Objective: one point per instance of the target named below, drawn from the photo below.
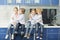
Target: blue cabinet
(52, 30)
(2, 33)
(48, 34)
(52, 34)
(59, 34)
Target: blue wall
(23, 2)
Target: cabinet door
(52, 39)
(52, 30)
(52, 34)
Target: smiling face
(20, 11)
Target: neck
(16, 13)
(39, 13)
(33, 14)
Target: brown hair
(22, 9)
(32, 9)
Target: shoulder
(23, 14)
(40, 15)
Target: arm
(30, 17)
(12, 20)
(40, 20)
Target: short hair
(32, 9)
(16, 8)
(23, 10)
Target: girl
(39, 22)
(30, 22)
(13, 21)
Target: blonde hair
(39, 9)
(16, 8)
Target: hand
(14, 23)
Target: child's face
(20, 11)
(15, 11)
(33, 12)
(39, 11)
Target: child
(21, 19)
(14, 16)
(39, 21)
(13, 21)
(31, 22)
